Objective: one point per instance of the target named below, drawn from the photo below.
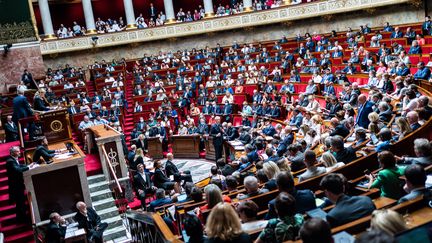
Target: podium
(58, 186)
(155, 147)
(209, 147)
(185, 146)
(110, 149)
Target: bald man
(90, 221)
(364, 108)
(172, 170)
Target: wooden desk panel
(155, 148)
(186, 146)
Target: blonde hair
(284, 165)
(213, 195)
(317, 119)
(223, 223)
(328, 159)
(403, 125)
(373, 117)
(271, 170)
(139, 153)
(388, 220)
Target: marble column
(169, 12)
(130, 15)
(88, 15)
(208, 8)
(247, 5)
(46, 19)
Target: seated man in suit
(342, 154)
(423, 152)
(56, 229)
(338, 128)
(11, 130)
(161, 180)
(43, 152)
(172, 170)
(251, 187)
(305, 199)
(161, 200)
(143, 184)
(415, 183)
(347, 208)
(88, 219)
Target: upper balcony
(264, 17)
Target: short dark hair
(333, 183)
(231, 181)
(285, 205)
(193, 226)
(316, 230)
(220, 162)
(285, 181)
(387, 159)
(249, 208)
(160, 193)
(188, 187)
(375, 236)
(415, 174)
(310, 156)
(217, 182)
(196, 194)
(214, 170)
(261, 176)
(337, 142)
(385, 134)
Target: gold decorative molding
(283, 14)
(17, 32)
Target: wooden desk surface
(101, 131)
(383, 202)
(418, 217)
(62, 145)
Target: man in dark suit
(73, 109)
(216, 132)
(88, 219)
(141, 142)
(338, 128)
(342, 154)
(232, 132)
(56, 229)
(244, 137)
(43, 151)
(131, 154)
(365, 107)
(11, 130)
(14, 172)
(305, 199)
(161, 179)
(152, 12)
(347, 208)
(141, 125)
(143, 184)
(172, 170)
(21, 107)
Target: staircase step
(14, 229)
(113, 222)
(104, 203)
(3, 181)
(114, 233)
(26, 236)
(96, 178)
(7, 210)
(108, 212)
(100, 195)
(98, 186)
(123, 239)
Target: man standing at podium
(21, 107)
(216, 132)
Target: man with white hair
(413, 119)
(423, 152)
(88, 219)
(172, 170)
(251, 186)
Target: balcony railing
(271, 16)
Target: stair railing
(149, 227)
(112, 170)
(33, 220)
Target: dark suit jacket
(140, 184)
(89, 225)
(55, 233)
(348, 209)
(39, 104)
(21, 108)
(15, 178)
(347, 155)
(140, 145)
(362, 116)
(305, 201)
(11, 132)
(171, 169)
(42, 151)
(386, 116)
(340, 130)
(159, 178)
(214, 130)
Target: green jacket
(389, 183)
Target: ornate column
(247, 5)
(130, 15)
(169, 12)
(208, 8)
(88, 15)
(46, 19)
